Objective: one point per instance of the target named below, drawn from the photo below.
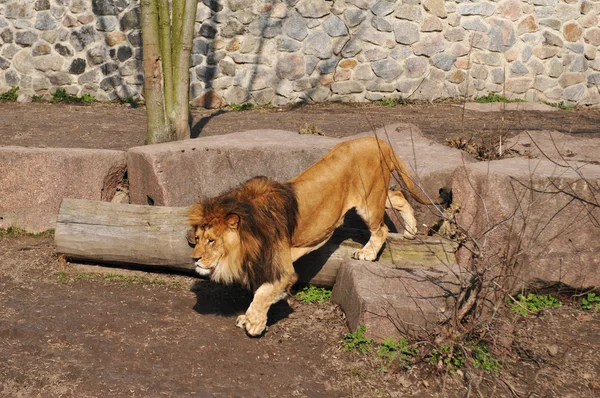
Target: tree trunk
(167, 40)
(158, 127)
(183, 36)
(155, 237)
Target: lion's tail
(416, 192)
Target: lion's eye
(210, 241)
(196, 239)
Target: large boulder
(34, 181)
(394, 301)
(535, 222)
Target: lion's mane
(268, 213)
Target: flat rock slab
(554, 145)
(508, 106)
(181, 173)
(33, 182)
(537, 223)
(396, 301)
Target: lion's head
(238, 235)
(216, 242)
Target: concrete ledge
(395, 302)
(557, 146)
(33, 182)
(180, 173)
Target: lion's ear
(233, 221)
(191, 236)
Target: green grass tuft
(391, 101)
(61, 96)
(10, 95)
(561, 105)
(448, 358)
(398, 352)
(533, 303)
(313, 294)
(132, 101)
(16, 232)
(241, 107)
(591, 302)
(493, 97)
(357, 341)
(483, 359)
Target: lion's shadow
(231, 301)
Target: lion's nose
(196, 259)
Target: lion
(252, 234)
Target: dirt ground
(113, 126)
(85, 331)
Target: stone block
(396, 301)
(215, 164)
(35, 180)
(524, 214)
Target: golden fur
(253, 233)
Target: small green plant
(310, 128)
(10, 95)
(61, 95)
(590, 302)
(493, 97)
(357, 341)
(16, 232)
(63, 278)
(449, 358)
(241, 107)
(398, 352)
(37, 98)
(132, 101)
(534, 303)
(482, 359)
(313, 294)
(391, 101)
(561, 105)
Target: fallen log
(155, 237)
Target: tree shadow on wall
(210, 71)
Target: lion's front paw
(364, 254)
(240, 321)
(254, 324)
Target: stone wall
(282, 52)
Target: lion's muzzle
(205, 272)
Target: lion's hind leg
(373, 217)
(397, 201)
